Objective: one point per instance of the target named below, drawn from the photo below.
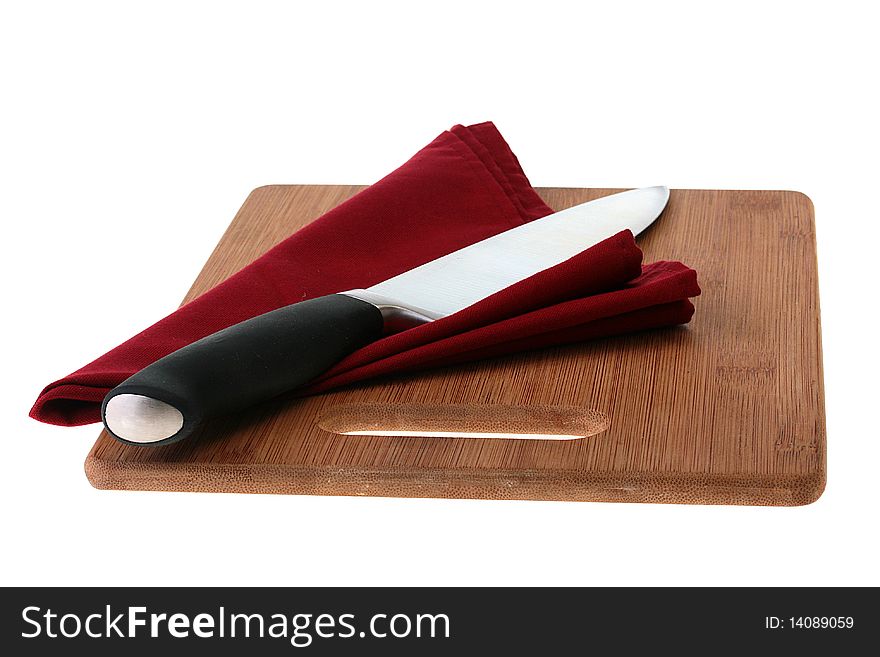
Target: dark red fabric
(464, 186)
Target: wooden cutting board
(728, 410)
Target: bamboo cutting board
(728, 410)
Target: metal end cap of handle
(141, 419)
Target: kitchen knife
(270, 354)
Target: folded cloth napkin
(463, 187)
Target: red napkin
(463, 187)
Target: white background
(131, 133)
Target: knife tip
(662, 192)
(663, 189)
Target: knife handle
(235, 368)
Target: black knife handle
(240, 366)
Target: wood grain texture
(728, 410)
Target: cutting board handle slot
(464, 421)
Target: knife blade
(281, 350)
